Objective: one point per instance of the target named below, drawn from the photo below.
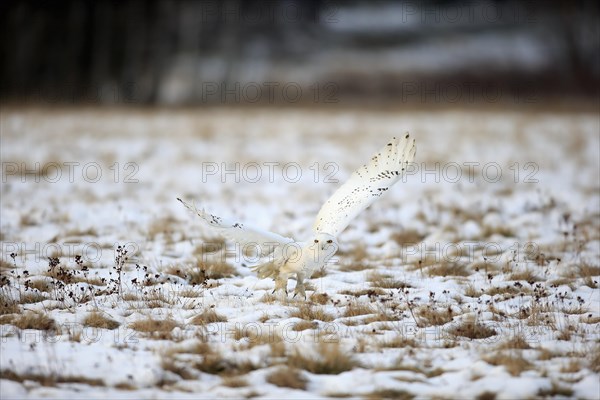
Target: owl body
(301, 259)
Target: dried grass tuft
(472, 329)
(35, 320)
(355, 309)
(155, 328)
(329, 359)
(208, 316)
(448, 269)
(309, 312)
(514, 362)
(235, 381)
(98, 320)
(429, 315)
(382, 281)
(516, 342)
(287, 377)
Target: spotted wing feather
(241, 233)
(366, 185)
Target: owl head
(325, 241)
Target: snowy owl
(287, 256)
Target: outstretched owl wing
(242, 234)
(366, 185)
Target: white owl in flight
(287, 256)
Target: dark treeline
(81, 46)
(166, 50)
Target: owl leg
(300, 289)
(281, 283)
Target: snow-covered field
(477, 277)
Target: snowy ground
(459, 284)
